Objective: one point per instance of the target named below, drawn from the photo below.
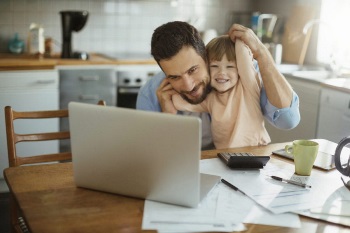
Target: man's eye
(193, 69)
(213, 66)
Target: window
(334, 33)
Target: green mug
(304, 153)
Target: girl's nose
(222, 72)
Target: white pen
(290, 182)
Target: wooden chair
(17, 222)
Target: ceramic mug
(304, 153)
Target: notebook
(141, 154)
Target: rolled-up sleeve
(147, 98)
(282, 118)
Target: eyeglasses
(347, 185)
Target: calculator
(243, 160)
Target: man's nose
(187, 83)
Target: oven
(129, 84)
(139, 67)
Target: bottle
(254, 21)
(36, 40)
(16, 45)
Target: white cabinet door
(334, 117)
(308, 93)
(28, 91)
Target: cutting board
(294, 42)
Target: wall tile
(113, 25)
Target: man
(180, 53)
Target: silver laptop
(147, 155)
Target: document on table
(336, 208)
(274, 195)
(222, 210)
(172, 218)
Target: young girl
(234, 102)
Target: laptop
(325, 155)
(141, 154)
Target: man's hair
(220, 46)
(168, 39)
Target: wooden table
(51, 202)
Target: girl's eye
(212, 66)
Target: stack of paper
(267, 201)
(222, 210)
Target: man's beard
(206, 91)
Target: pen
(232, 186)
(290, 182)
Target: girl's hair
(220, 46)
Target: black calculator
(243, 160)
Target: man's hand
(249, 38)
(164, 93)
(278, 90)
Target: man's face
(188, 74)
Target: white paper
(336, 208)
(222, 210)
(235, 206)
(274, 195)
(172, 218)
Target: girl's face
(224, 74)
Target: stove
(131, 79)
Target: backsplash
(113, 26)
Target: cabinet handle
(89, 97)
(89, 78)
(45, 81)
(134, 90)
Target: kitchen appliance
(131, 78)
(129, 84)
(71, 21)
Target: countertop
(340, 84)
(317, 75)
(31, 62)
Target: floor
(4, 212)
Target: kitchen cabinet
(29, 90)
(334, 119)
(87, 84)
(309, 93)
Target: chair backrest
(13, 138)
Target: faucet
(333, 65)
(270, 27)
